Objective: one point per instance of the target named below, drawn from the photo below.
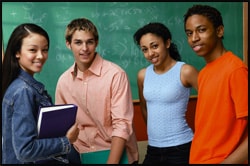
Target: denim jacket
(20, 106)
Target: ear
(96, 43)
(68, 45)
(18, 55)
(168, 42)
(220, 31)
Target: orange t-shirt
(221, 111)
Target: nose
(84, 46)
(195, 37)
(150, 52)
(40, 55)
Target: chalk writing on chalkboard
(116, 23)
(37, 17)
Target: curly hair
(160, 30)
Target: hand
(72, 133)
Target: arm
(59, 97)
(27, 147)
(72, 133)
(239, 87)
(240, 154)
(189, 76)
(117, 147)
(122, 114)
(140, 80)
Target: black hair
(162, 31)
(10, 66)
(208, 11)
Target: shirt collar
(94, 68)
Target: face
(154, 49)
(202, 36)
(33, 53)
(83, 46)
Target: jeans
(74, 156)
(169, 155)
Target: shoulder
(188, 70)
(19, 85)
(189, 75)
(19, 88)
(112, 68)
(67, 73)
(236, 61)
(141, 74)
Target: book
(101, 157)
(54, 121)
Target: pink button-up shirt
(105, 106)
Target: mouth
(84, 55)
(153, 60)
(196, 47)
(39, 64)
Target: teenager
(221, 117)
(164, 90)
(101, 90)
(22, 95)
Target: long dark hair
(10, 66)
(162, 31)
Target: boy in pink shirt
(102, 92)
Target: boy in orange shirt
(221, 118)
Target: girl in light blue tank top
(167, 101)
(164, 89)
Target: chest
(166, 87)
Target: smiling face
(33, 53)
(203, 37)
(154, 48)
(83, 45)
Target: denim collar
(30, 80)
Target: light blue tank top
(167, 101)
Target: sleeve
(239, 91)
(59, 97)
(26, 145)
(122, 110)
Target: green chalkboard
(116, 23)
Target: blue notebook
(54, 121)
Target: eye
(188, 33)
(78, 43)
(155, 46)
(45, 50)
(200, 30)
(90, 42)
(144, 50)
(32, 50)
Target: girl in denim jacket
(22, 95)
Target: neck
(216, 54)
(165, 67)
